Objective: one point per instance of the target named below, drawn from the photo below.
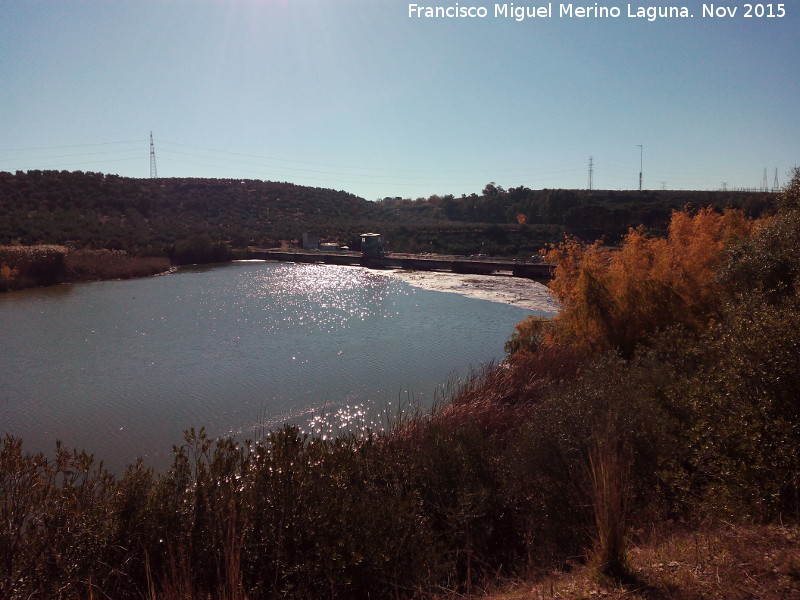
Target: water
(122, 368)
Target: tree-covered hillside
(107, 211)
(589, 214)
(154, 216)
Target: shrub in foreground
(288, 516)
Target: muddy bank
(517, 291)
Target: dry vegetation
(613, 299)
(682, 403)
(721, 563)
(31, 266)
(94, 265)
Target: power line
(86, 162)
(412, 173)
(262, 172)
(139, 141)
(95, 153)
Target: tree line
(156, 216)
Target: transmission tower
(764, 185)
(153, 172)
(591, 172)
(775, 185)
(641, 154)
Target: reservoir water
(122, 368)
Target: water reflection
(315, 297)
(123, 368)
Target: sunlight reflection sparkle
(344, 294)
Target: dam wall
(461, 265)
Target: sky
(357, 95)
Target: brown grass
(498, 398)
(609, 470)
(725, 563)
(32, 266)
(29, 266)
(94, 265)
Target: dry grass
(609, 474)
(93, 265)
(727, 563)
(498, 398)
(31, 266)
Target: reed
(93, 265)
(609, 467)
(29, 266)
(33, 266)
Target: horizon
(364, 98)
(770, 190)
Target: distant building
(310, 241)
(372, 245)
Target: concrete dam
(456, 264)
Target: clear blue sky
(357, 96)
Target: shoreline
(43, 265)
(515, 291)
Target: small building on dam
(372, 245)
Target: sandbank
(517, 291)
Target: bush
(740, 419)
(28, 266)
(767, 263)
(200, 249)
(530, 463)
(55, 523)
(528, 335)
(608, 405)
(737, 390)
(614, 299)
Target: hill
(149, 215)
(152, 216)
(588, 214)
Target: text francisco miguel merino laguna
(565, 10)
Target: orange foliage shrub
(8, 275)
(614, 298)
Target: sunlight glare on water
(122, 368)
(318, 297)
